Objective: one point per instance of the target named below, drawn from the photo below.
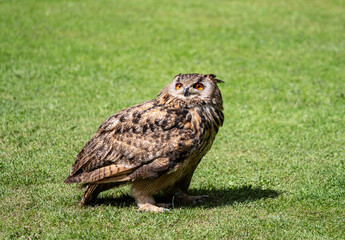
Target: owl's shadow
(217, 197)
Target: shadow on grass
(217, 197)
(229, 196)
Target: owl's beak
(185, 92)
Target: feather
(154, 144)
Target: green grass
(276, 169)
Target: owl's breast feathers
(146, 141)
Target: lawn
(276, 169)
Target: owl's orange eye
(199, 86)
(178, 86)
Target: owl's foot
(146, 202)
(188, 199)
(148, 207)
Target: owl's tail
(73, 179)
(106, 174)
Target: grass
(276, 169)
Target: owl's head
(195, 89)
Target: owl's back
(135, 137)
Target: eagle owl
(155, 146)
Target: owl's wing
(142, 141)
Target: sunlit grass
(276, 169)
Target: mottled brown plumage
(155, 145)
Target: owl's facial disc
(190, 88)
(198, 86)
(193, 88)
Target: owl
(154, 146)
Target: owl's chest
(204, 138)
(183, 168)
(204, 145)
(205, 124)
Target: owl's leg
(145, 201)
(181, 187)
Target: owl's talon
(203, 197)
(191, 199)
(164, 205)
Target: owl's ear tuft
(219, 81)
(213, 78)
(177, 78)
